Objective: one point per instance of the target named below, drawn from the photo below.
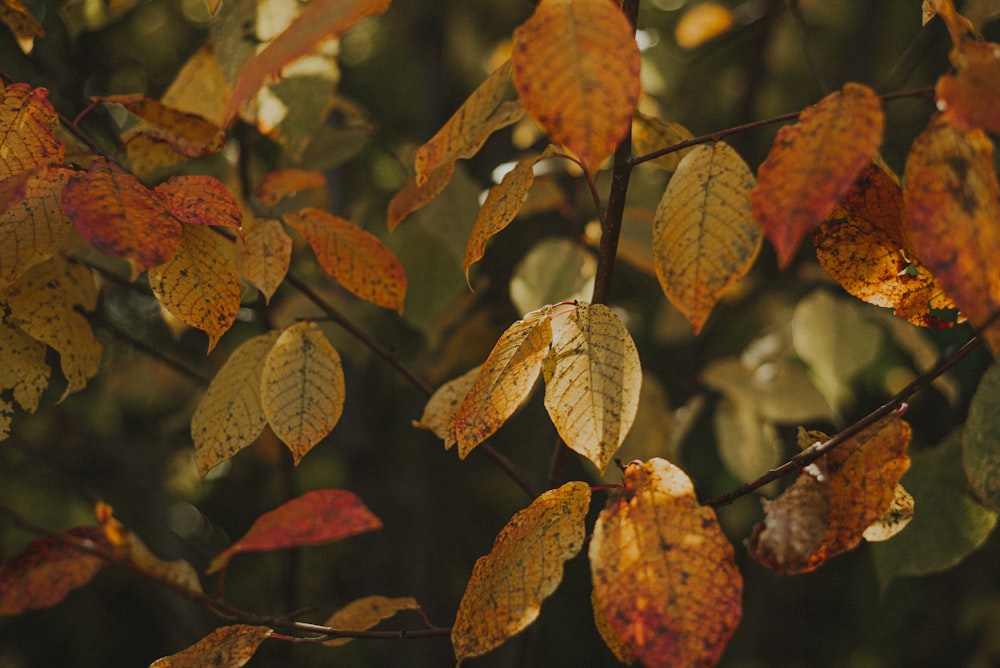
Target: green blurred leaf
(981, 454)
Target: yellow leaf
(29, 139)
(592, 382)
(226, 647)
(651, 134)
(702, 23)
(705, 237)
(899, 514)
(22, 23)
(263, 254)
(439, 413)
(576, 70)
(356, 259)
(412, 197)
(230, 416)
(504, 381)
(188, 134)
(22, 366)
(32, 230)
(200, 87)
(364, 613)
(302, 387)
(507, 586)
(199, 284)
(665, 577)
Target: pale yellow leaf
(364, 613)
(439, 413)
(32, 230)
(263, 254)
(226, 647)
(900, 512)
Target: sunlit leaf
(439, 413)
(364, 613)
(226, 647)
(320, 516)
(200, 200)
(507, 586)
(901, 511)
(412, 197)
(32, 229)
(705, 237)
(981, 454)
(701, 23)
(277, 185)
(264, 254)
(951, 210)
(651, 134)
(813, 163)
(302, 387)
(504, 381)
(230, 416)
(576, 70)
(22, 23)
(356, 259)
(592, 382)
(664, 574)
(200, 87)
(22, 366)
(28, 120)
(188, 134)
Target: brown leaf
(200, 200)
(576, 70)
(320, 516)
(29, 121)
(226, 647)
(32, 229)
(188, 134)
(22, 23)
(439, 413)
(664, 574)
(507, 586)
(364, 613)
(277, 185)
(813, 163)
(264, 254)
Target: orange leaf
(592, 382)
(22, 23)
(356, 259)
(200, 200)
(277, 185)
(412, 197)
(12, 189)
(439, 413)
(263, 254)
(971, 98)
(229, 646)
(120, 216)
(320, 516)
(28, 120)
(199, 284)
(704, 236)
(48, 569)
(863, 246)
(319, 20)
(188, 134)
(32, 229)
(507, 586)
(702, 23)
(364, 613)
(862, 477)
(952, 213)
(302, 387)
(664, 574)
(576, 70)
(504, 381)
(813, 163)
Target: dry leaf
(226, 647)
(22, 23)
(439, 413)
(276, 186)
(702, 23)
(22, 366)
(29, 121)
(651, 134)
(264, 254)
(32, 229)
(899, 514)
(364, 613)
(185, 133)
(412, 197)
(200, 200)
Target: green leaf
(981, 454)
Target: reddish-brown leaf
(226, 647)
(200, 200)
(28, 121)
(320, 516)
(264, 254)
(665, 576)
(187, 134)
(33, 228)
(813, 163)
(277, 185)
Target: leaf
(813, 163)
(863, 473)
(439, 413)
(200, 87)
(319, 20)
(555, 269)
(949, 523)
(200, 200)
(664, 574)
(276, 186)
(226, 647)
(29, 122)
(592, 382)
(951, 213)
(863, 246)
(302, 387)
(364, 613)
(22, 23)
(45, 304)
(504, 380)
(576, 70)
(503, 201)
(651, 134)
(482, 114)
(981, 451)
(412, 197)
(120, 216)
(705, 237)
(22, 366)
(507, 586)
(264, 254)
(702, 23)
(320, 516)
(32, 229)
(188, 134)
(48, 569)
(899, 515)
(230, 416)
(970, 99)
(199, 284)
(355, 258)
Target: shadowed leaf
(32, 229)
(264, 254)
(22, 23)
(188, 134)
(412, 197)
(22, 366)
(226, 647)
(651, 134)
(981, 454)
(28, 120)
(277, 185)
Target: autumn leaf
(439, 413)
(320, 516)
(505, 592)
(22, 23)
(200, 200)
(356, 259)
(229, 647)
(813, 163)
(29, 123)
(951, 213)
(504, 381)
(199, 284)
(22, 366)
(981, 451)
(576, 70)
(701, 23)
(230, 416)
(302, 387)
(275, 186)
(664, 574)
(120, 216)
(48, 569)
(705, 237)
(896, 518)
(364, 613)
(592, 382)
(33, 228)
(200, 87)
(188, 134)
(412, 197)
(651, 134)
(264, 254)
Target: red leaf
(201, 200)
